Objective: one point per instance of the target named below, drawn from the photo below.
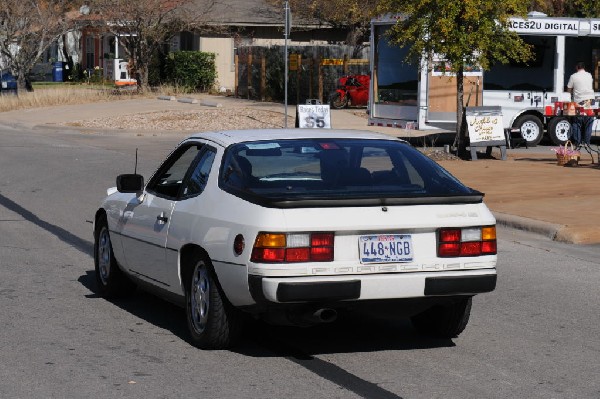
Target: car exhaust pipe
(325, 315)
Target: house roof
(248, 13)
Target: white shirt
(582, 84)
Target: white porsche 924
(294, 226)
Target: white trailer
(423, 97)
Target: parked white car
(293, 226)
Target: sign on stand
(485, 129)
(313, 116)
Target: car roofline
(229, 137)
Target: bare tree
(144, 26)
(27, 29)
(352, 16)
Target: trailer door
(394, 83)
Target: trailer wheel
(559, 130)
(531, 129)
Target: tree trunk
(23, 83)
(141, 76)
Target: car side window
(168, 180)
(197, 180)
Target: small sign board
(310, 116)
(485, 129)
(332, 61)
(294, 61)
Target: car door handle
(162, 218)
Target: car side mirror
(130, 183)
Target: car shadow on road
(351, 333)
(305, 347)
(141, 304)
(356, 331)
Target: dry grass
(52, 96)
(170, 90)
(48, 96)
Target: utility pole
(288, 22)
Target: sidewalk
(527, 191)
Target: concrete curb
(547, 229)
(188, 100)
(208, 103)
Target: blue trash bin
(57, 71)
(8, 84)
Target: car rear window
(337, 169)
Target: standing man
(582, 92)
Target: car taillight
(467, 241)
(293, 247)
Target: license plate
(385, 248)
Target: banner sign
(545, 26)
(595, 27)
(313, 117)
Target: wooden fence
(308, 78)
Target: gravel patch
(439, 155)
(205, 119)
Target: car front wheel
(110, 280)
(444, 321)
(213, 322)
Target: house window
(186, 41)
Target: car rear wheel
(559, 130)
(444, 321)
(213, 322)
(110, 280)
(531, 129)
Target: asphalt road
(536, 336)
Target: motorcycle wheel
(337, 102)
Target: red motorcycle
(353, 90)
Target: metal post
(285, 59)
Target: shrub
(192, 70)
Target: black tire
(337, 102)
(444, 321)
(111, 282)
(212, 321)
(559, 130)
(531, 129)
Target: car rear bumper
(370, 287)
